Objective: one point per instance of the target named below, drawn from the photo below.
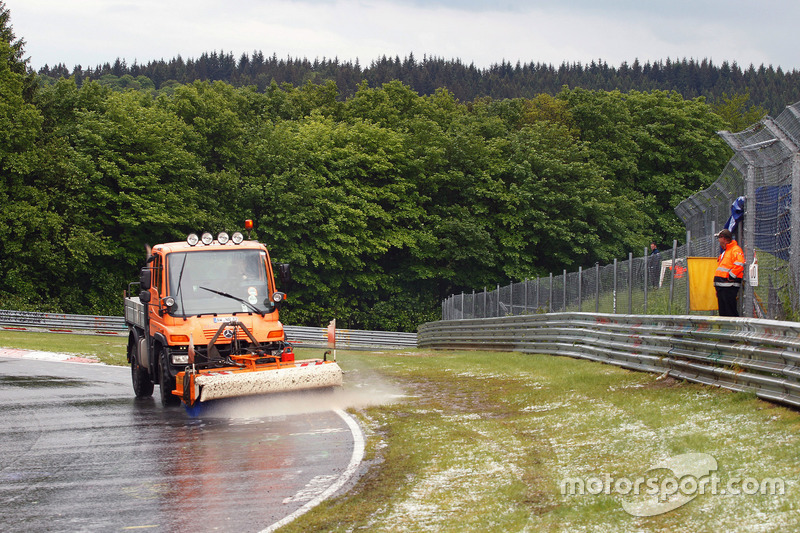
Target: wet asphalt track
(79, 453)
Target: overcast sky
(483, 32)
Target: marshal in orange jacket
(730, 266)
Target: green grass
(480, 441)
(106, 349)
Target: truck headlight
(180, 359)
(192, 239)
(207, 238)
(223, 238)
(237, 238)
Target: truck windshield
(238, 273)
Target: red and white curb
(18, 353)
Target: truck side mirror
(144, 297)
(144, 279)
(284, 274)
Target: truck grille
(209, 334)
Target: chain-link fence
(754, 190)
(639, 285)
(763, 174)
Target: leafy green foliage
(384, 202)
(735, 112)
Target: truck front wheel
(140, 377)
(165, 381)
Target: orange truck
(205, 324)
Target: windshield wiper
(232, 297)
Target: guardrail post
(580, 289)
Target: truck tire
(140, 377)
(165, 381)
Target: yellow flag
(702, 296)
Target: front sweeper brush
(252, 372)
(253, 378)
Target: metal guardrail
(349, 338)
(22, 320)
(751, 355)
(115, 325)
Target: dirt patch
(662, 382)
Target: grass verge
(484, 441)
(108, 349)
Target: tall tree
(736, 113)
(14, 55)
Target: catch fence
(752, 196)
(648, 284)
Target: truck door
(156, 282)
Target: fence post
(485, 304)
(747, 304)
(714, 241)
(511, 298)
(630, 283)
(646, 280)
(580, 289)
(550, 301)
(688, 254)
(597, 287)
(564, 290)
(498, 300)
(614, 306)
(473, 304)
(462, 305)
(525, 309)
(672, 277)
(794, 250)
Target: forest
(384, 201)
(768, 87)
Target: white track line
(355, 460)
